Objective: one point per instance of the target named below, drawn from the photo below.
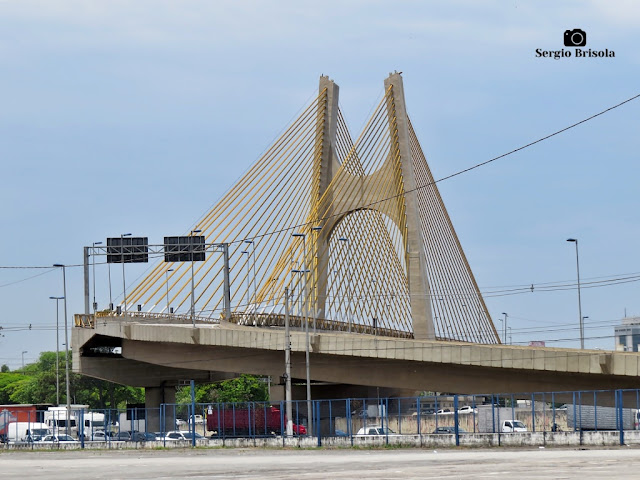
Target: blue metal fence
(354, 420)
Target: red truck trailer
(245, 421)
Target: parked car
(121, 437)
(467, 409)
(53, 439)
(144, 437)
(375, 430)
(511, 426)
(448, 430)
(98, 436)
(444, 411)
(137, 437)
(180, 435)
(341, 433)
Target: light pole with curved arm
(66, 341)
(575, 240)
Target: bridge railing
(82, 320)
(324, 324)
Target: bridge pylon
(355, 227)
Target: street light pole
(504, 328)
(110, 295)
(248, 280)
(124, 284)
(57, 299)
(255, 287)
(166, 276)
(314, 276)
(93, 265)
(306, 329)
(287, 360)
(193, 287)
(66, 342)
(346, 241)
(575, 240)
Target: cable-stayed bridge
(348, 237)
(354, 227)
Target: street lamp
(124, 285)
(93, 264)
(314, 279)
(193, 287)
(57, 299)
(166, 277)
(245, 252)
(66, 339)
(23, 352)
(255, 287)
(346, 241)
(504, 328)
(575, 240)
(306, 327)
(374, 297)
(109, 277)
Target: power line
(455, 174)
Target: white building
(628, 335)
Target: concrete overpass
(156, 355)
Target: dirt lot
(616, 463)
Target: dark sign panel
(184, 249)
(128, 250)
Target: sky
(123, 116)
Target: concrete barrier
(477, 440)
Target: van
(26, 431)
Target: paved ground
(619, 463)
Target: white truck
(57, 422)
(512, 426)
(93, 422)
(26, 431)
(498, 419)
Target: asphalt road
(619, 463)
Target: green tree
(38, 386)
(9, 382)
(245, 388)
(4, 368)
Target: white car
(181, 435)
(51, 439)
(97, 436)
(374, 430)
(467, 409)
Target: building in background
(628, 335)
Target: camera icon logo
(575, 38)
